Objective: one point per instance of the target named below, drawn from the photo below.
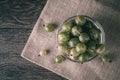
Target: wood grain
(17, 18)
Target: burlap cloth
(106, 12)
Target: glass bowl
(97, 25)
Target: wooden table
(17, 19)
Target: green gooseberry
(64, 48)
(106, 58)
(84, 37)
(73, 42)
(49, 27)
(89, 25)
(80, 20)
(59, 59)
(81, 47)
(82, 58)
(100, 48)
(94, 33)
(76, 31)
(67, 26)
(73, 52)
(63, 36)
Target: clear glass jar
(97, 25)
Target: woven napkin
(106, 12)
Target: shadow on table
(114, 4)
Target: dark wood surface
(17, 19)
